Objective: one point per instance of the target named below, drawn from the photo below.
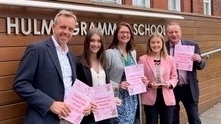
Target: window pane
(207, 7)
(142, 3)
(174, 5)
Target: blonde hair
(65, 13)
(163, 51)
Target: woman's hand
(118, 101)
(153, 85)
(87, 111)
(93, 107)
(124, 85)
(145, 81)
(167, 85)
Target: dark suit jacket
(39, 81)
(84, 75)
(192, 75)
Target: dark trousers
(159, 108)
(183, 94)
(90, 120)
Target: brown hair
(130, 45)
(85, 58)
(163, 51)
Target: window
(141, 3)
(174, 5)
(109, 1)
(207, 7)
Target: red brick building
(26, 21)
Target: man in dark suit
(187, 89)
(46, 73)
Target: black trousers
(183, 94)
(159, 111)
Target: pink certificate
(105, 101)
(79, 98)
(134, 74)
(183, 57)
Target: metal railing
(210, 53)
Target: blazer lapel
(53, 54)
(151, 65)
(168, 47)
(88, 75)
(73, 65)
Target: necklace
(127, 60)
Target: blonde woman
(161, 78)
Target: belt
(182, 85)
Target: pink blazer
(168, 74)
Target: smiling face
(173, 33)
(95, 44)
(124, 35)
(156, 44)
(63, 29)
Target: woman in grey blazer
(121, 53)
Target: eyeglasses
(124, 32)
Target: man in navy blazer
(46, 72)
(187, 89)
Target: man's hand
(60, 108)
(196, 57)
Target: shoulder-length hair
(85, 58)
(130, 45)
(163, 51)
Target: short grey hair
(65, 13)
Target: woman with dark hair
(122, 53)
(93, 66)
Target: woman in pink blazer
(161, 78)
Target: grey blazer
(192, 75)
(116, 68)
(39, 81)
(116, 63)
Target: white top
(98, 78)
(182, 74)
(65, 67)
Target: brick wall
(216, 9)
(159, 4)
(204, 30)
(186, 5)
(198, 6)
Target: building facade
(23, 22)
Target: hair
(130, 45)
(64, 13)
(85, 58)
(172, 23)
(163, 51)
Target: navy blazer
(39, 81)
(192, 75)
(84, 75)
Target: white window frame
(109, 1)
(174, 5)
(207, 7)
(140, 3)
